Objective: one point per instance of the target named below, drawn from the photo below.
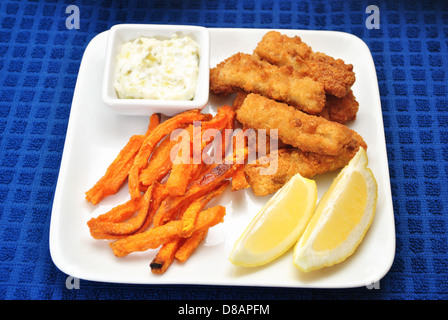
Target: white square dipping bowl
(121, 33)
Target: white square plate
(95, 135)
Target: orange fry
(119, 213)
(159, 194)
(157, 236)
(239, 180)
(179, 177)
(116, 173)
(223, 119)
(210, 180)
(159, 164)
(190, 214)
(190, 244)
(148, 145)
(165, 256)
(123, 227)
(118, 170)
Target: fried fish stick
(281, 50)
(292, 161)
(306, 132)
(342, 109)
(245, 72)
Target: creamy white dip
(149, 68)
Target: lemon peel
(342, 217)
(278, 225)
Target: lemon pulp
(342, 217)
(278, 225)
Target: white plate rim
(56, 249)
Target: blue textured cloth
(39, 61)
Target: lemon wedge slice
(278, 225)
(342, 217)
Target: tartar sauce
(149, 68)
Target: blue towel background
(39, 61)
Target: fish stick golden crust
(291, 161)
(296, 128)
(245, 72)
(281, 50)
(342, 109)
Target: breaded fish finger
(245, 72)
(306, 132)
(342, 109)
(291, 161)
(281, 50)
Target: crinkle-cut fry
(118, 170)
(212, 178)
(157, 236)
(190, 214)
(165, 256)
(190, 244)
(148, 145)
(123, 227)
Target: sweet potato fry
(118, 170)
(159, 164)
(179, 177)
(209, 181)
(239, 180)
(180, 172)
(148, 145)
(224, 118)
(165, 256)
(117, 214)
(190, 214)
(124, 227)
(97, 233)
(190, 244)
(159, 194)
(120, 212)
(157, 236)
(196, 171)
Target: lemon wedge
(278, 225)
(342, 217)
